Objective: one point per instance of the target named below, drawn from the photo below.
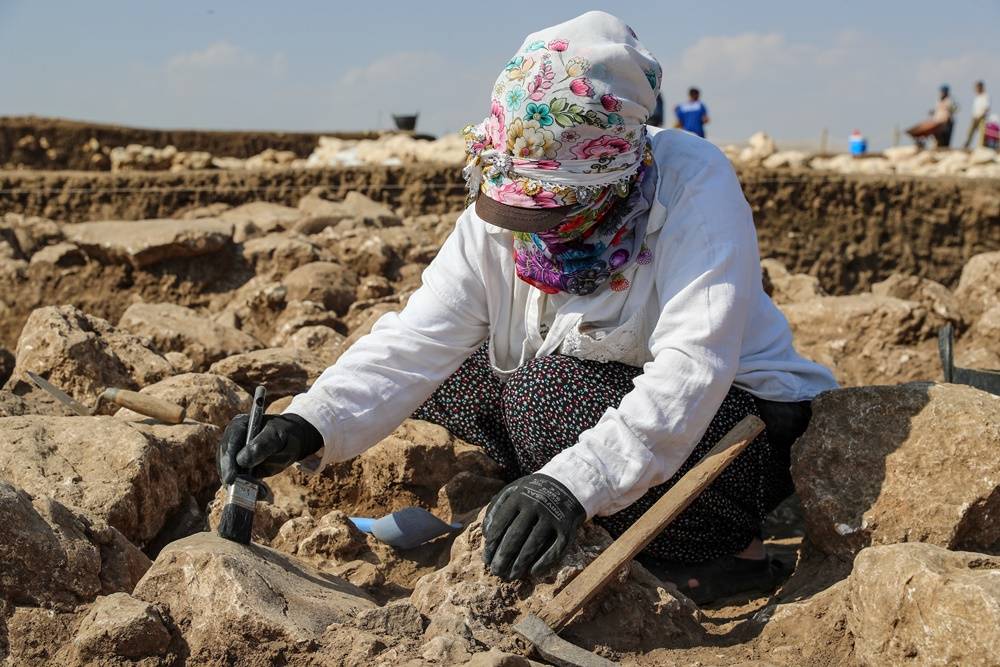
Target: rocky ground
(106, 550)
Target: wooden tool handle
(595, 576)
(150, 406)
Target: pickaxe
(542, 629)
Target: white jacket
(696, 319)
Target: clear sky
(788, 67)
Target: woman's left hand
(529, 525)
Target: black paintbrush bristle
(236, 523)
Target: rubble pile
(396, 149)
(761, 151)
(108, 553)
(389, 150)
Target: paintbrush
(236, 523)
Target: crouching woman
(595, 321)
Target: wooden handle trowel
(150, 406)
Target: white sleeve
(386, 375)
(707, 275)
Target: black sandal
(721, 578)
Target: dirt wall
(849, 231)
(64, 141)
(82, 196)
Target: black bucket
(406, 123)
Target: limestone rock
(466, 492)
(920, 604)
(935, 297)
(181, 362)
(278, 406)
(447, 650)
(132, 475)
(144, 243)
(12, 405)
(333, 544)
(284, 370)
(254, 307)
(866, 339)
(83, 355)
(356, 209)
(789, 159)
(407, 468)
(29, 234)
(60, 254)
(235, 599)
(627, 615)
(278, 254)
(495, 658)
(206, 398)
(259, 218)
(761, 146)
(359, 250)
(326, 283)
(299, 314)
(374, 287)
(214, 210)
(789, 287)
(395, 619)
(320, 340)
(174, 328)
(12, 269)
(870, 454)
(119, 626)
(807, 630)
(979, 286)
(334, 538)
(985, 334)
(40, 637)
(57, 556)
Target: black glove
(529, 525)
(283, 440)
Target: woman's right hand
(283, 440)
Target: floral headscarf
(567, 127)
(594, 244)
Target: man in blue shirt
(693, 114)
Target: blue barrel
(858, 144)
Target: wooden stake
(595, 576)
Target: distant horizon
(786, 68)
(803, 144)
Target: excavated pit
(222, 279)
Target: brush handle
(256, 422)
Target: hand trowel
(149, 406)
(406, 528)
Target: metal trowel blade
(59, 395)
(410, 527)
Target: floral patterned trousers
(545, 405)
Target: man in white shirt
(980, 110)
(596, 322)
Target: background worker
(692, 116)
(980, 111)
(944, 116)
(940, 124)
(595, 330)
